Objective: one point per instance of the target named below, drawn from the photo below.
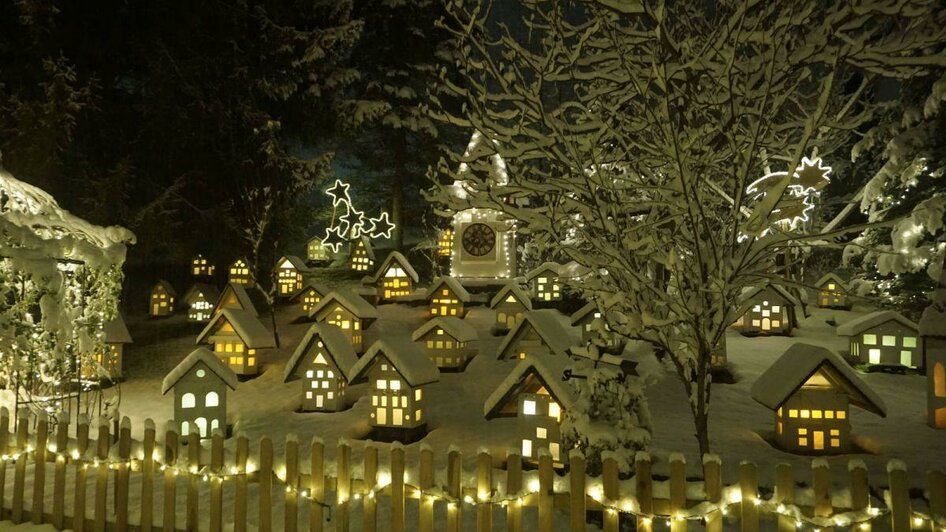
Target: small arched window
(212, 399)
(188, 400)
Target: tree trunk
(397, 191)
(699, 405)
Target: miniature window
(870, 339)
(805, 414)
(528, 408)
(541, 433)
(381, 384)
(890, 340)
(840, 414)
(212, 399)
(188, 400)
(395, 384)
(909, 341)
(555, 410)
(201, 373)
(417, 394)
(526, 447)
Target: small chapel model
(200, 384)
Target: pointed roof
(549, 372)
(453, 284)
(348, 299)
(869, 321)
(547, 324)
(208, 291)
(369, 250)
(460, 330)
(412, 363)
(516, 291)
(336, 344)
(244, 259)
(198, 257)
(116, 332)
(293, 261)
(210, 360)
(573, 270)
(401, 260)
(235, 296)
(583, 312)
(553, 267)
(831, 276)
(305, 288)
(166, 286)
(752, 291)
(799, 362)
(245, 324)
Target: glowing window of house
(188, 400)
(394, 271)
(417, 415)
(829, 414)
(526, 447)
(757, 308)
(906, 358)
(511, 299)
(792, 412)
(395, 385)
(555, 411)
(212, 399)
(831, 286)
(381, 384)
(889, 340)
(816, 414)
(805, 414)
(870, 339)
(417, 394)
(541, 433)
(840, 414)
(528, 407)
(835, 442)
(909, 341)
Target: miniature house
(237, 337)
(200, 300)
(535, 394)
(234, 296)
(395, 278)
(289, 272)
(445, 242)
(200, 385)
(349, 312)
(540, 333)
(884, 338)
(308, 296)
(200, 267)
(510, 303)
(239, 272)
(545, 283)
(832, 292)
(446, 297)
(108, 364)
(323, 361)
(933, 338)
(593, 326)
(810, 389)
(398, 371)
(316, 251)
(361, 257)
(766, 310)
(446, 342)
(162, 299)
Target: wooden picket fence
(176, 488)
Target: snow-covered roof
(547, 369)
(933, 322)
(583, 311)
(209, 359)
(245, 324)
(337, 345)
(369, 250)
(305, 288)
(573, 270)
(348, 299)
(517, 291)
(476, 149)
(166, 286)
(460, 330)
(401, 260)
(240, 294)
(116, 332)
(408, 359)
(801, 361)
(293, 261)
(829, 277)
(869, 321)
(208, 291)
(751, 292)
(553, 267)
(548, 324)
(453, 284)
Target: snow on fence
(115, 483)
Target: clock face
(479, 239)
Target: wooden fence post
(821, 483)
(122, 474)
(397, 487)
(546, 491)
(860, 489)
(147, 477)
(370, 501)
(343, 484)
(169, 516)
(19, 474)
(39, 471)
(936, 487)
(102, 444)
(291, 517)
(4, 450)
(644, 488)
(749, 489)
(576, 490)
(82, 446)
(484, 491)
(239, 490)
(609, 479)
(514, 488)
(900, 510)
(59, 476)
(454, 473)
(712, 477)
(317, 485)
(192, 508)
(785, 494)
(678, 492)
(265, 484)
(425, 482)
(216, 484)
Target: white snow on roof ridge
(831, 276)
(868, 321)
(395, 256)
(246, 325)
(204, 355)
(337, 345)
(548, 368)
(406, 357)
(546, 323)
(460, 330)
(348, 299)
(453, 284)
(515, 289)
(116, 332)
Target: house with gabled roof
(201, 267)
(540, 333)
(395, 277)
(316, 251)
(107, 365)
(200, 300)
(535, 394)
(234, 296)
(361, 255)
(810, 389)
(447, 297)
(308, 296)
(200, 384)
(545, 283)
(239, 272)
(322, 361)
(398, 372)
(593, 326)
(884, 337)
(510, 303)
(832, 292)
(238, 337)
(446, 341)
(162, 299)
(767, 309)
(349, 312)
(289, 272)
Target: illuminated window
(835, 442)
(870, 339)
(889, 340)
(840, 414)
(395, 385)
(528, 407)
(212, 399)
(541, 433)
(803, 442)
(909, 341)
(526, 447)
(816, 414)
(417, 394)
(555, 411)
(381, 384)
(805, 414)
(792, 413)
(188, 400)
(829, 414)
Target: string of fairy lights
(629, 506)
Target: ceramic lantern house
(361, 255)
(289, 270)
(316, 251)
(200, 300)
(200, 384)
(510, 303)
(349, 312)
(238, 338)
(162, 299)
(308, 296)
(535, 394)
(234, 296)
(884, 338)
(107, 364)
(322, 361)
(446, 297)
(398, 372)
(545, 282)
(810, 389)
(445, 242)
(767, 309)
(201, 267)
(540, 333)
(832, 292)
(239, 272)
(446, 341)
(395, 278)
(933, 334)
(593, 327)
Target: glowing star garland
(353, 223)
(380, 226)
(797, 203)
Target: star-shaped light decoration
(354, 220)
(339, 193)
(380, 226)
(811, 176)
(334, 239)
(795, 203)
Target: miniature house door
(397, 416)
(817, 440)
(766, 324)
(382, 415)
(510, 321)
